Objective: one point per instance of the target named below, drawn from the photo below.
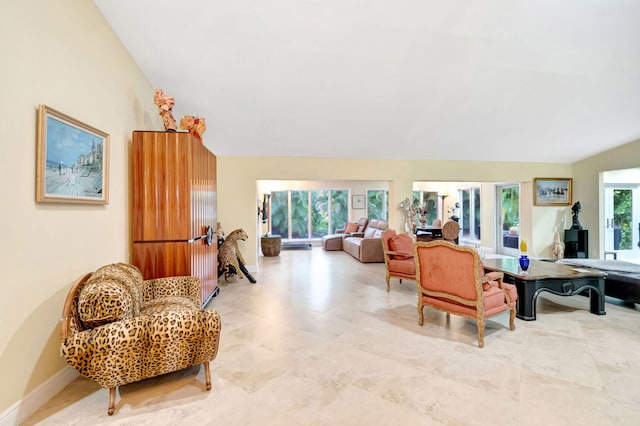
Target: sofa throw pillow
(351, 228)
(402, 243)
(369, 232)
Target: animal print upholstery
(120, 329)
(228, 255)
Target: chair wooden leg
(512, 319)
(420, 314)
(481, 333)
(112, 401)
(207, 375)
(388, 287)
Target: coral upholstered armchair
(451, 278)
(398, 256)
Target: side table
(270, 245)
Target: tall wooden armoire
(174, 204)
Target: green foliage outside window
(319, 213)
(477, 215)
(510, 207)
(431, 201)
(622, 217)
(299, 214)
(415, 199)
(301, 207)
(428, 199)
(339, 210)
(280, 213)
(377, 204)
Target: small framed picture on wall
(357, 202)
(552, 191)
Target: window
(339, 210)
(299, 214)
(470, 216)
(622, 220)
(308, 214)
(508, 198)
(377, 204)
(429, 199)
(280, 213)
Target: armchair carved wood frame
(451, 278)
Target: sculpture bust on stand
(575, 210)
(557, 248)
(165, 105)
(408, 212)
(194, 125)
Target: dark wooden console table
(428, 233)
(563, 280)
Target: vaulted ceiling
(507, 80)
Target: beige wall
(62, 54)
(238, 193)
(587, 175)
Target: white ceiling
(512, 80)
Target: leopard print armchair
(118, 328)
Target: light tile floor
(318, 341)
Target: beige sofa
(333, 242)
(367, 246)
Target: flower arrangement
(523, 246)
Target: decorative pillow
(369, 232)
(104, 300)
(351, 228)
(402, 243)
(129, 276)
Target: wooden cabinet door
(174, 201)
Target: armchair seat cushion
(168, 304)
(493, 304)
(405, 266)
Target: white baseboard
(26, 407)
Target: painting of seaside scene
(551, 191)
(74, 166)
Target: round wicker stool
(271, 245)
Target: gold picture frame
(552, 191)
(72, 160)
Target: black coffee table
(563, 280)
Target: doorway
(622, 221)
(508, 219)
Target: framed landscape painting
(72, 160)
(552, 191)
